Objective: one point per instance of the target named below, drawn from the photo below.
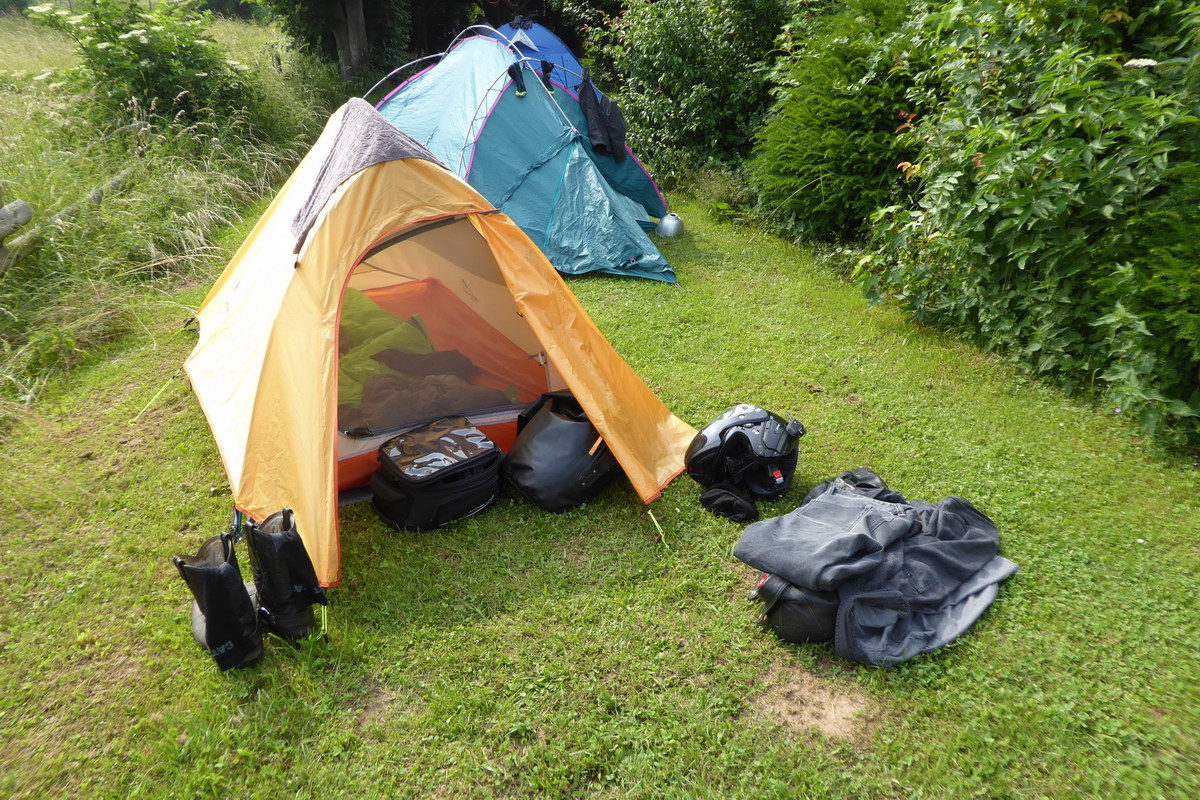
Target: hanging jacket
(605, 122)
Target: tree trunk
(350, 36)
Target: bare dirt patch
(807, 704)
(377, 705)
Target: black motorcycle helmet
(748, 447)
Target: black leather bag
(558, 460)
(435, 474)
(796, 614)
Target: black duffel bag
(435, 474)
(558, 460)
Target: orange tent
(377, 291)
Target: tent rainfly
(379, 291)
(514, 128)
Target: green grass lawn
(521, 654)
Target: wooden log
(13, 216)
(22, 246)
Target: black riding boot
(227, 623)
(284, 576)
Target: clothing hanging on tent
(605, 122)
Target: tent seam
(554, 203)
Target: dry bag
(558, 459)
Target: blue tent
(527, 151)
(539, 42)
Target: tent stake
(662, 537)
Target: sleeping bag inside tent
(515, 129)
(376, 293)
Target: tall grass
(27, 47)
(181, 184)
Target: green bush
(1056, 178)
(1152, 332)
(239, 9)
(158, 57)
(826, 156)
(181, 186)
(296, 90)
(692, 76)
(593, 22)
